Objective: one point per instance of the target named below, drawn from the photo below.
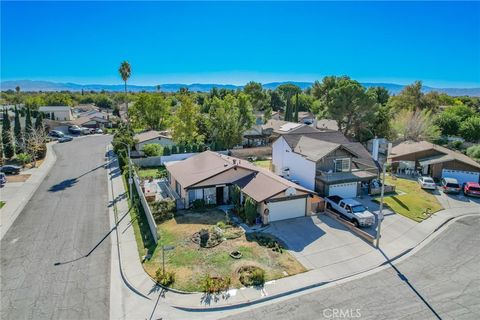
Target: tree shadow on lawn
(207, 216)
(400, 203)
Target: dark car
(65, 139)
(56, 134)
(471, 189)
(10, 169)
(3, 179)
(75, 129)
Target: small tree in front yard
(152, 150)
(250, 210)
(24, 158)
(36, 144)
(167, 151)
(236, 196)
(163, 210)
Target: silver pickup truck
(352, 210)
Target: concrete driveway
(318, 241)
(452, 201)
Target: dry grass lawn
(191, 262)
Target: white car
(427, 183)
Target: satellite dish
(291, 191)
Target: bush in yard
(474, 151)
(152, 150)
(181, 148)
(252, 276)
(236, 197)
(214, 285)
(174, 149)
(24, 158)
(198, 204)
(188, 148)
(194, 148)
(167, 151)
(470, 129)
(164, 278)
(250, 210)
(163, 210)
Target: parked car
(98, 130)
(10, 169)
(427, 183)
(450, 185)
(3, 179)
(75, 129)
(65, 139)
(56, 134)
(471, 189)
(352, 210)
(86, 130)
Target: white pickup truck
(352, 210)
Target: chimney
(375, 147)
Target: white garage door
(287, 209)
(461, 176)
(345, 190)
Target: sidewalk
(17, 194)
(392, 246)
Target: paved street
(439, 281)
(45, 271)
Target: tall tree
(125, 71)
(158, 88)
(246, 119)
(184, 124)
(39, 121)
(17, 130)
(288, 90)
(345, 101)
(151, 111)
(28, 123)
(412, 98)
(257, 95)
(8, 148)
(415, 125)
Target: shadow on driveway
(296, 233)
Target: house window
(342, 165)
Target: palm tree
(17, 88)
(125, 72)
(158, 88)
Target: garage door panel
(287, 209)
(345, 190)
(461, 176)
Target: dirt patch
(18, 178)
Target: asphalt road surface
(44, 271)
(441, 281)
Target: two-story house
(324, 161)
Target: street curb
(380, 267)
(115, 214)
(19, 209)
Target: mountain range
(34, 85)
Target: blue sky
(234, 42)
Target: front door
(219, 195)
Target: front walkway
(341, 256)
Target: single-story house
(434, 160)
(265, 134)
(324, 161)
(162, 138)
(211, 176)
(61, 113)
(92, 122)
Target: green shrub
(194, 148)
(455, 145)
(188, 148)
(167, 151)
(198, 204)
(174, 149)
(252, 276)
(152, 150)
(221, 225)
(163, 210)
(250, 210)
(474, 151)
(164, 278)
(211, 284)
(24, 158)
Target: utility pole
(380, 212)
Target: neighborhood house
(60, 113)
(324, 161)
(434, 160)
(210, 176)
(162, 138)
